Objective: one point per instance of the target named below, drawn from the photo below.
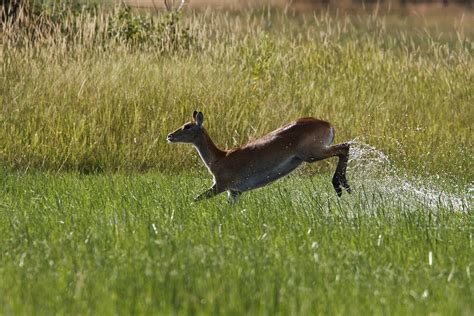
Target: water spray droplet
(369, 167)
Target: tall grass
(82, 101)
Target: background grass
(70, 105)
(78, 100)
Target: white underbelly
(264, 176)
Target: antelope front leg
(207, 194)
(233, 197)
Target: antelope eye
(187, 126)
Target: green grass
(137, 244)
(96, 211)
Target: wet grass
(137, 244)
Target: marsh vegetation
(96, 211)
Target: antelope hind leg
(339, 179)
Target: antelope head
(189, 132)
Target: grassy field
(136, 244)
(96, 212)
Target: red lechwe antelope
(267, 159)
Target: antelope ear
(194, 115)
(199, 118)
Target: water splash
(372, 168)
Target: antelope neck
(208, 151)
